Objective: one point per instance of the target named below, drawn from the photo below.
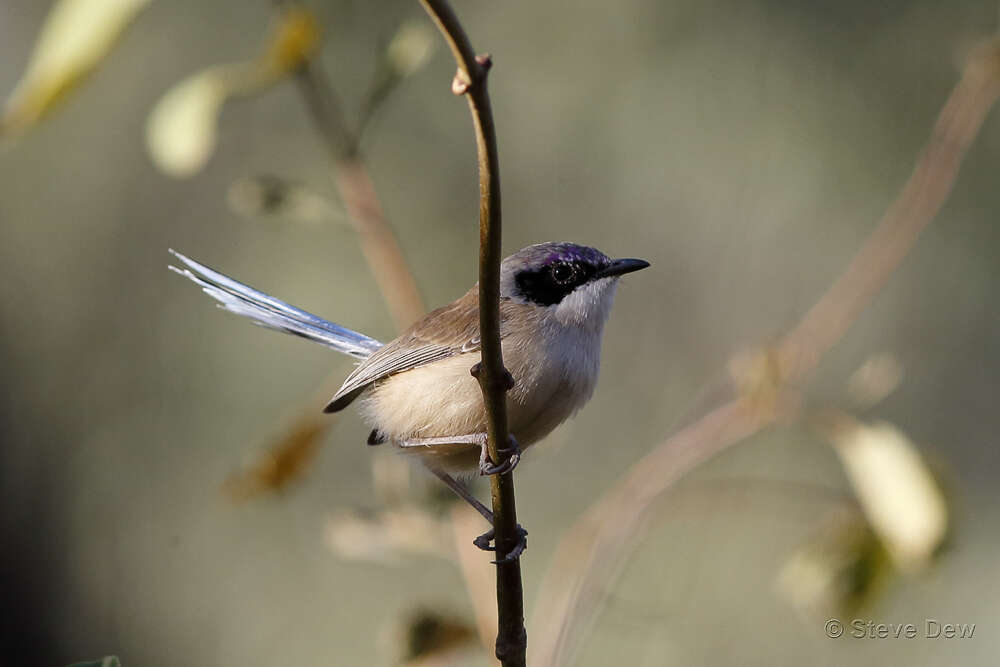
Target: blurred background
(746, 149)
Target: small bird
(417, 391)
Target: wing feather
(445, 332)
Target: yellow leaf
(896, 491)
(181, 131)
(76, 35)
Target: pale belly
(442, 399)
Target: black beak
(620, 267)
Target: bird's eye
(563, 273)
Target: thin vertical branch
(378, 242)
(470, 80)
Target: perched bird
(417, 391)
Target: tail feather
(274, 314)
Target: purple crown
(543, 254)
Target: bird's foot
(483, 542)
(513, 457)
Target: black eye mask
(549, 284)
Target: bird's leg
(513, 452)
(468, 439)
(483, 541)
(486, 466)
(463, 493)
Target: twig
(594, 547)
(470, 80)
(378, 242)
(920, 200)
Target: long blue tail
(274, 314)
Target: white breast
(555, 387)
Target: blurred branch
(381, 251)
(920, 200)
(595, 546)
(470, 80)
(408, 51)
(324, 107)
(378, 241)
(476, 570)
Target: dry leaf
(76, 35)
(293, 41)
(285, 462)
(427, 637)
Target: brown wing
(442, 333)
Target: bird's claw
(483, 542)
(513, 452)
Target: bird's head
(574, 282)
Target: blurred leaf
(386, 536)
(107, 661)
(283, 463)
(878, 377)
(896, 490)
(426, 636)
(181, 131)
(411, 48)
(839, 571)
(268, 195)
(76, 35)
